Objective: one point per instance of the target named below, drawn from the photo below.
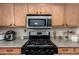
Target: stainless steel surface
(1, 36)
(39, 30)
(38, 17)
(38, 27)
(39, 38)
(35, 17)
(41, 33)
(10, 35)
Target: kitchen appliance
(66, 35)
(39, 20)
(74, 38)
(10, 35)
(39, 43)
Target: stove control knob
(39, 50)
(51, 50)
(47, 50)
(31, 50)
(27, 50)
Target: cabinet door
(76, 50)
(10, 51)
(58, 15)
(71, 14)
(7, 17)
(0, 15)
(20, 14)
(32, 8)
(66, 50)
(45, 8)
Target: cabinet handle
(62, 24)
(14, 25)
(10, 24)
(36, 12)
(10, 50)
(65, 49)
(66, 24)
(40, 12)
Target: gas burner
(38, 44)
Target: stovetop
(39, 42)
(39, 47)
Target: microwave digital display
(37, 22)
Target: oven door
(36, 22)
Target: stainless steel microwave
(39, 21)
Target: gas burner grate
(39, 42)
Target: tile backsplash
(21, 31)
(59, 31)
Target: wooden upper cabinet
(0, 15)
(7, 17)
(58, 15)
(32, 9)
(66, 15)
(20, 14)
(45, 8)
(72, 14)
(62, 14)
(39, 8)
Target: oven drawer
(10, 51)
(66, 50)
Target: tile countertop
(15, 43)
(65, 43)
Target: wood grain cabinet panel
(66, 15)
(45, 8)
(66, 50)
(33, 8)
(76, 50)
(58, 15)
(39, 8)
(7, 17)
(10, 51)
(0, 15)
(72, 15)
(20, 14)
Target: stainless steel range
(39, 31)
(39, 43)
